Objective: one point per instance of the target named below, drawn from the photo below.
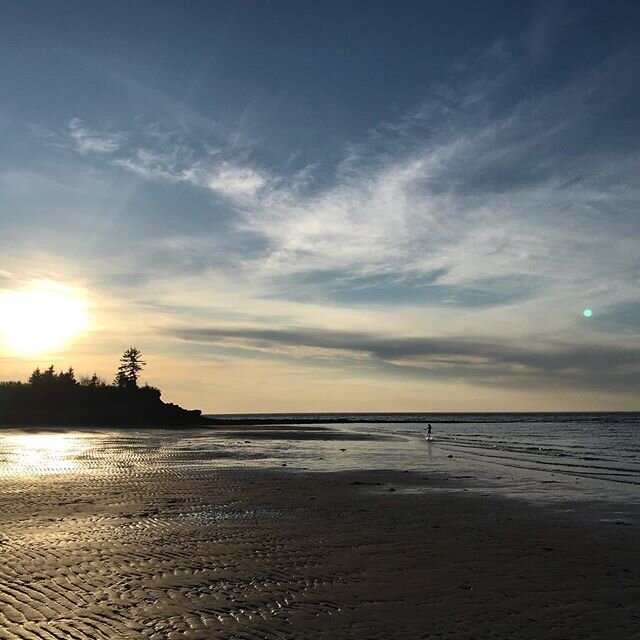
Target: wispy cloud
(498, 194)
(473, 199)
(178, 162)
(86, 140)
(152, 165)
(236, 181)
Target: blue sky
(333, 206)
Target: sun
(41, 319)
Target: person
(429, 431)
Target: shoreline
(500, 470)
(207, 421)
(261, 420)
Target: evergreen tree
(96, 381)
(68, 377)
(131, 364)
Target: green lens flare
(587, 313)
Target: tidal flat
(124, 536)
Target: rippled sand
(107, 545)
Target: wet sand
(199, 553)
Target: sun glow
(41, 319)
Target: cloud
(423, 289)
(507, 194)
(86, 140)
(236, 182)
(179, 162)
(484, 195)
(484, 361)
(150, 164)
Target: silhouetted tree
(131, 364)
(121, 380)
(92, 381)
(97, 381)
(59, 398)
(68, 377)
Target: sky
(330, 206)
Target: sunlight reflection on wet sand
(41, 453)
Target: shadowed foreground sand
(266, 554)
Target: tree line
(51, 397)
(127, 375)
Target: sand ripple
(183, 552)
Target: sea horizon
(417, 414)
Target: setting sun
(40, 319)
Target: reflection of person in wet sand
(428, 436)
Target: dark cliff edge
(101, 405)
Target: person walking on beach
(429, 431)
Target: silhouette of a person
(429, 431)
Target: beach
(113, 545)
